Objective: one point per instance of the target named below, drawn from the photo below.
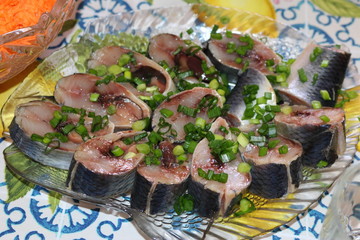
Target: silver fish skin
(275, 175)
(329, 78)
(157, 187)
(321, 141)
(95, 172)
(236, 98)
(212, 198)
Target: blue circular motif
(31, 235)
(315, 33)
(91, 9)
(43, 215)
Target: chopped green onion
(228, 34)
(324, 63)
(214, 112)
(200, 122)
(184, 203)
(129, 155)
(286, 110)
(322, 164)
(273, 143)
(270, 62)
(302, 75)
(316, 52)
(315, 78)
(124, 59)
(316, 104)
(68, 128)
(181, 158)
(178, 150)
(143, 148)
(140, 136)
(155, 137)
(117, 151)
(115, 69)
(190, 146)
(352, 94)
(101, 70)
(190, 31)
(166, 112)
(325, 94)
(214, 84)
(246, 206)
(324, 118)
(218, 137)
(221, 92)
(152, 89)
(243, 167)
(94, 97)
(187, 110)
(268, 95)
(242, 140)
(263, 151)
(139, 125)
(127, 141)
(283, 149)
(36, 137)
(238, 60)
(127, 75)
(141, 87)
(111, 109)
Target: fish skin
(206, 202)
(330, 78)
(249, 77)
(320, 142)
(56, 158)
(102, 185)
(267, 184)
(161, 199)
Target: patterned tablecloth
(33, 216)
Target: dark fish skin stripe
(162, 199)
(295, 172)
(99, 185)
(206, 202)
(269, 180)
(317, 142)
(140, 192)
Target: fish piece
(75, 91)
(157, 187)
(190, 99)
(181, 54)
(213, 198)
(236, 99)
(326, 72)
(142, 67)
(275, 174)
(321, 141)
(224, 53)
(34, 118)
(97, 172)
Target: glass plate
(146, 23)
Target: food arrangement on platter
(207, 129)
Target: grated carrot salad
(16, 14)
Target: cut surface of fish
(141, 67)
(322, 141)
(317, 69)
(191, 109)
(53, 145)
(235, 53)
(98, 172)
(77, 90)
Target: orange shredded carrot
(16, 14)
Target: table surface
(32, 217)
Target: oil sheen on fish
(317, 68)
(321, 140)
(34, 118)
(97, 172)
(213, 198)
(157, 187)
(232, 55)
(76, 91)
(173, 126)
(275, 174)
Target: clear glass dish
(19, 48)
(201, 18)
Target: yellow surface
(263, 7)
(9, 86)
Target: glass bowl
(19, 48)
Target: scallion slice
(316, 104)
(117, 151)
(143, 148)
(324, 118)
(166, 112)
(94, 97)
(283, 149)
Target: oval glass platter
(284, 40)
